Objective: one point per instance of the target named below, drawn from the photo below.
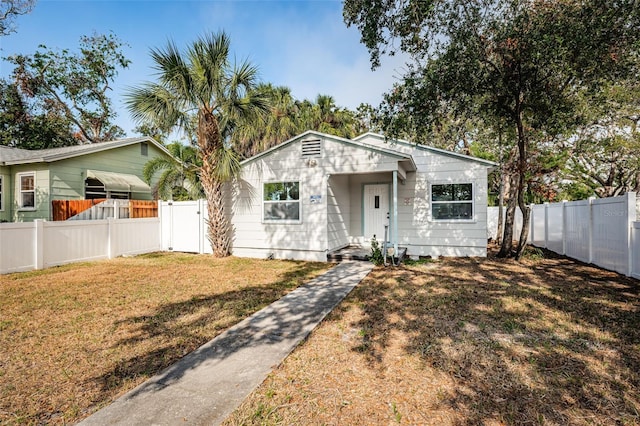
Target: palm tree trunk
(219, 225)
(209, 144)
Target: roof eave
(395, 154)
(487, 163)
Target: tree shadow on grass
(553, 342)
(184, 328)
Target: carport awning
(120, 182)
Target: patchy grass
(74, 338)
(467, 341)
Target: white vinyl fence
(492, 222)
(604, 232)
(635, 251)
(41, 244)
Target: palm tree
(325, 116)
(202, 81)
(179, 179)
(280, 124)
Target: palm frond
(173, 71)
(154, 165)
(153, 103)
(227, 164)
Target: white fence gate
(184, 226)
(599, 231)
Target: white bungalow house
(318, 193)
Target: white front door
(376, 211)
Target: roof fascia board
(302, 136)
(488, 163)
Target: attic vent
(311, 148)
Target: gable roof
(457, 155)
(384, 151)
(10, 156)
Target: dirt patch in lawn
(74, 338)
(467, 341)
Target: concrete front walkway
(204, 387)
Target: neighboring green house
(31, 180)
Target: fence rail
(604, 231)
(41, 244)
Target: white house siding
(338, 177)
(338, 212)
(311, 238)
(417, 232)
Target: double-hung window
(27, 190)
(452, 201)
(281, 202)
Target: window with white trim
(27, 190)
(281, 202)
(1, 194)
(452, 201)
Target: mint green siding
(68, 176)
(43, 205)
(65, 179)
(5, 207)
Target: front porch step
(356, 252)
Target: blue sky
(304, 45)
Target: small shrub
(377, 257)
(533, 253)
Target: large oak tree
(524, 64)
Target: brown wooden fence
(139, 208)
(64, 209)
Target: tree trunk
(522, 169)
(507, 241)
(500, 208)
(526, 215)
(219, 225)
(209, 144)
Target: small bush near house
(377, 257)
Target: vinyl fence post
(591, 228)
(564, 227)
(203, 224)
(39, 243)
(546, 225)
(111, 245)
(630, 201)
(160, 225)
(532, 227)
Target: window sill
(27, 209)
(453, 220)
(281, 222)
